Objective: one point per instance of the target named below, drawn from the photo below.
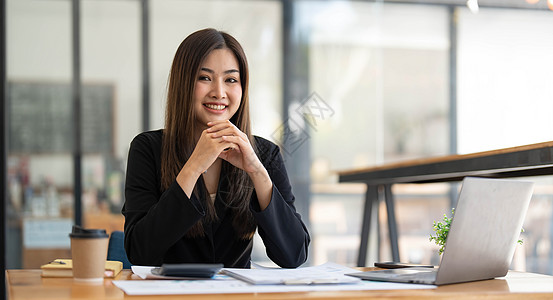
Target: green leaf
(441, 230)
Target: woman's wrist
(259, 174)
(187, 178)
(263, 186)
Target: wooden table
(29, 285)
(528, 160)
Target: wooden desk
(28, 284)
(529, 160)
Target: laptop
(482, 238)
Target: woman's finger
(219, 125)
(221, 128)
(230, 131)
(239, 141)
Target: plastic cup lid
(81, 233)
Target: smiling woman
(217, 92)
(197, 190)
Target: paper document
(299, 280)
(328, 273)
(233, 286)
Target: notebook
(64, 268)
(482, 238)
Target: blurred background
(393, 80)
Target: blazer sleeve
(154, 220)
(283, 232)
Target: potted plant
(441, 229)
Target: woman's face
(218, 90)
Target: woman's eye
(203, 78)
(232, 80)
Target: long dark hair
(180, 128)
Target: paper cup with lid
(89, 249)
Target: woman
(197, 190)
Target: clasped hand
(224, 140)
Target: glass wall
(380, 70)
(41, 126)
(40, 181)
(505, 98)
(505, 78)
(383, 71)
(111, 68)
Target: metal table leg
(371, 196)
(392, 225)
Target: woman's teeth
(215, 107)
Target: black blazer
(156, 222)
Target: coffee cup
(89, 249)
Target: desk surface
(28, 284)
(527, 160)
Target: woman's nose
(218, 90)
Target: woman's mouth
(217, 107)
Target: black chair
(116, 249)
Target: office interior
(383, 81)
